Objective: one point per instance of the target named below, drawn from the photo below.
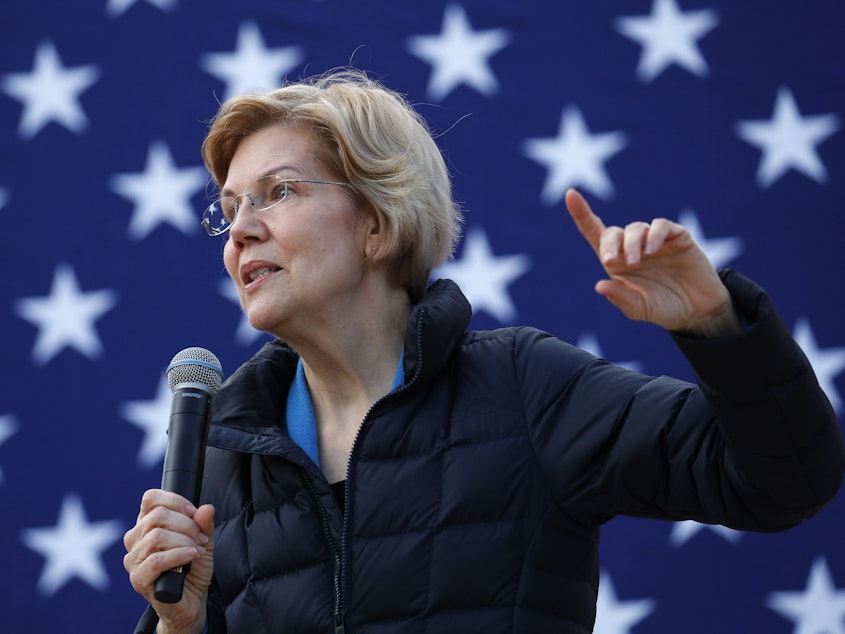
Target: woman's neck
(348, 372)
(352, 365)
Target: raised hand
(657, 273)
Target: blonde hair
(372, 138)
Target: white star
(161, 193)
(72, 548)
(484, 277)
(116, 8)
(618, 617)
(245, 333)
(153, 418)
(719, 251)
(252, 67)
(8, 428)
(788, 140)
(575, 158)
(589, 342)
(819, 609)
(459, 55)
(65, 318)
(50, 92)
(826, 363)
(682, 532)
(668, 36)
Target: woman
(378, 468)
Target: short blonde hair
(370, 137)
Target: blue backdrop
(724, 115)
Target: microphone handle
(183, 467)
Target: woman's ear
(373, 235)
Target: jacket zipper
(324, 519)
(340, 583)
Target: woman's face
(299, 265)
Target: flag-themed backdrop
(725, 115)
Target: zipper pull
(338, 624)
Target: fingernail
(190, 509)
(203, 538)
(607, 257)
(200, 551)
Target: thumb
(623, 297)
(204, 517)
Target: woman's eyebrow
(270, 172)
(279, 169)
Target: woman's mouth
(256, 272)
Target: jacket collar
(435, 327)
(249, 407)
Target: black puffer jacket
(475, 491)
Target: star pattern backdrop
(725, 116)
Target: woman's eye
(280, 193)
(229, 209)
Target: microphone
(194, 375)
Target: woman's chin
(261, 320)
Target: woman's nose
(248, 224)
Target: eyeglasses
(267, 192)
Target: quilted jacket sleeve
(755, 445)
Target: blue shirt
(302, 424)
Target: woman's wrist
(197, 627)
(726, 322)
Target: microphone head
(195, 365)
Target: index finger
(153, 498)
(588, 223)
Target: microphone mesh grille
(195, 365)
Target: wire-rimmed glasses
(267, 192)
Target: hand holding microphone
(194, 375)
